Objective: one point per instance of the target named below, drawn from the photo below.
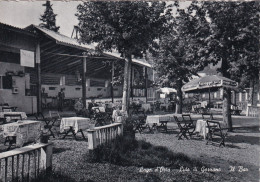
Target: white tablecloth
(25, 131)
(146, 107)
(76, 122)
(155, 119)
(101, 109)
(23, 114)
(201, 128)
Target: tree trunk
(125, 98)
(179, 98)
(226, 108)
(226, 96)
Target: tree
(128, 27)
(49, 18)
(234, 40)
(174, 59)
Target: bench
(215, 129)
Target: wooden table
(156, 121)
(74, 125)
(24, 131)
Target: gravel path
(242, 149)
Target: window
(96, 83)
(99, 89)
(52, 88)
(7, 82)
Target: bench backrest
(54, 114)
(208, 116)
(186, 117)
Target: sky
(24, 13)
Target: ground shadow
(60, 150)
(243, 139)
(250, 129)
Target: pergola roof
(67, 41)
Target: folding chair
(189, 122)
(47, 123)
(183, 127)
(215, 129)
(140, 122)
(186, 127)
(55, 117)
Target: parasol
(166, 90)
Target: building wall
(24, 103)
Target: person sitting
(91, 105)
(78, 107)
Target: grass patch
(127, 151)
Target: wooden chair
(48, 124)
(184, 128)
(55, 118)
(190, 122)
(215, 129)
(207, 116)
(140, 121)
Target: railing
(24, 163)
(253, 111)
(103, 134)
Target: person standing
(61, 97)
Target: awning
(212, 81)
(166, 90)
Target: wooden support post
(112, 80)
(131, 83)
(92, 143)
(39, 85)
(146, 84)
(120, 129)
(84, 67)
(46, 158)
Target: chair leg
(82, 134)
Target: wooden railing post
(46, 158)
(120, 129)
(92, 143)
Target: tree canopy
(234, 38)
(128, 27)
(49, 18)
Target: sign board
(27, 58)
